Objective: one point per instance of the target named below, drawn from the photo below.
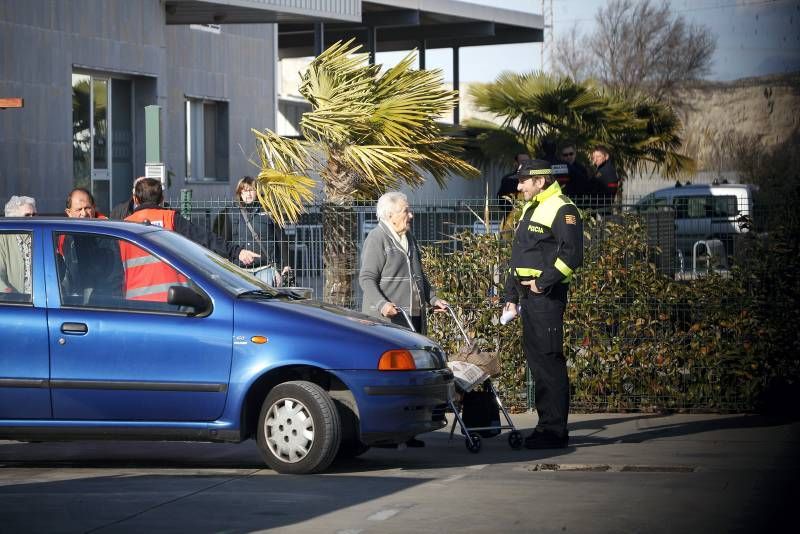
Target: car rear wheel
(298, 429)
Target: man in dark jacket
(123, 209)
(547, 248)
(606, 180)
(578, 184)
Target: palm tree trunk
(339, 231)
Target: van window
(692, 207)
(701, 207)
(651, 203)
(725, 206)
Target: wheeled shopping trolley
(472, 368)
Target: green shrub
(635, 339)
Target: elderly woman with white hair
(391, 274)
(15, 249)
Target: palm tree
(641, 132)
(366, 132)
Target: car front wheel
(299, 430)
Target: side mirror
(187, 297)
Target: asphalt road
(621, 473)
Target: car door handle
(74, 328)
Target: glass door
(101, 141)
(92, 135)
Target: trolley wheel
(475, 446)
(515, 439)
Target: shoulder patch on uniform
(570, 219)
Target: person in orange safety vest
(91, 265)
(149, 278)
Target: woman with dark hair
(247, 225)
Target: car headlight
(408, 360)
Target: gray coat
(388, 274)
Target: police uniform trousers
(543, 344)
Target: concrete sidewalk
(621, 473)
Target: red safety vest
(147, 277)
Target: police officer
(547, 248)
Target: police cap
(533, 168)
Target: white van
(704, 212)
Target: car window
(725, 206)
(230, 277)
(694, 207)
(16, 273)
(651, 203)
(100, 271)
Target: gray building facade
(87, 69)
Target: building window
(206, 140)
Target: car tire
(351, 449)
(299, 430)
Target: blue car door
(126, 359)
(24, 359)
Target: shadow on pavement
(439, 453)
(670, 430)
(142, 503)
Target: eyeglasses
(567, 154)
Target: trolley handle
(407, 318)
(458, 324)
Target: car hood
(308, 330)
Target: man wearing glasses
(578, 184)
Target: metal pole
(319, 38)
(372, 40)
(421, 54)
(457, 108)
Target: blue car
(219, 357)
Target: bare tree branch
(571, 56)
(638, 47)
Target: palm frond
(284, 195)
(382, 166)
(284, 155)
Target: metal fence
(684, 240)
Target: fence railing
(683, 242)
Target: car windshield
(234, 279)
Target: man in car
(146, 280)
(92, 265)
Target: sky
(754, 37)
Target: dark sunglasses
(567, 154)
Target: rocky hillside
(719, 116)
